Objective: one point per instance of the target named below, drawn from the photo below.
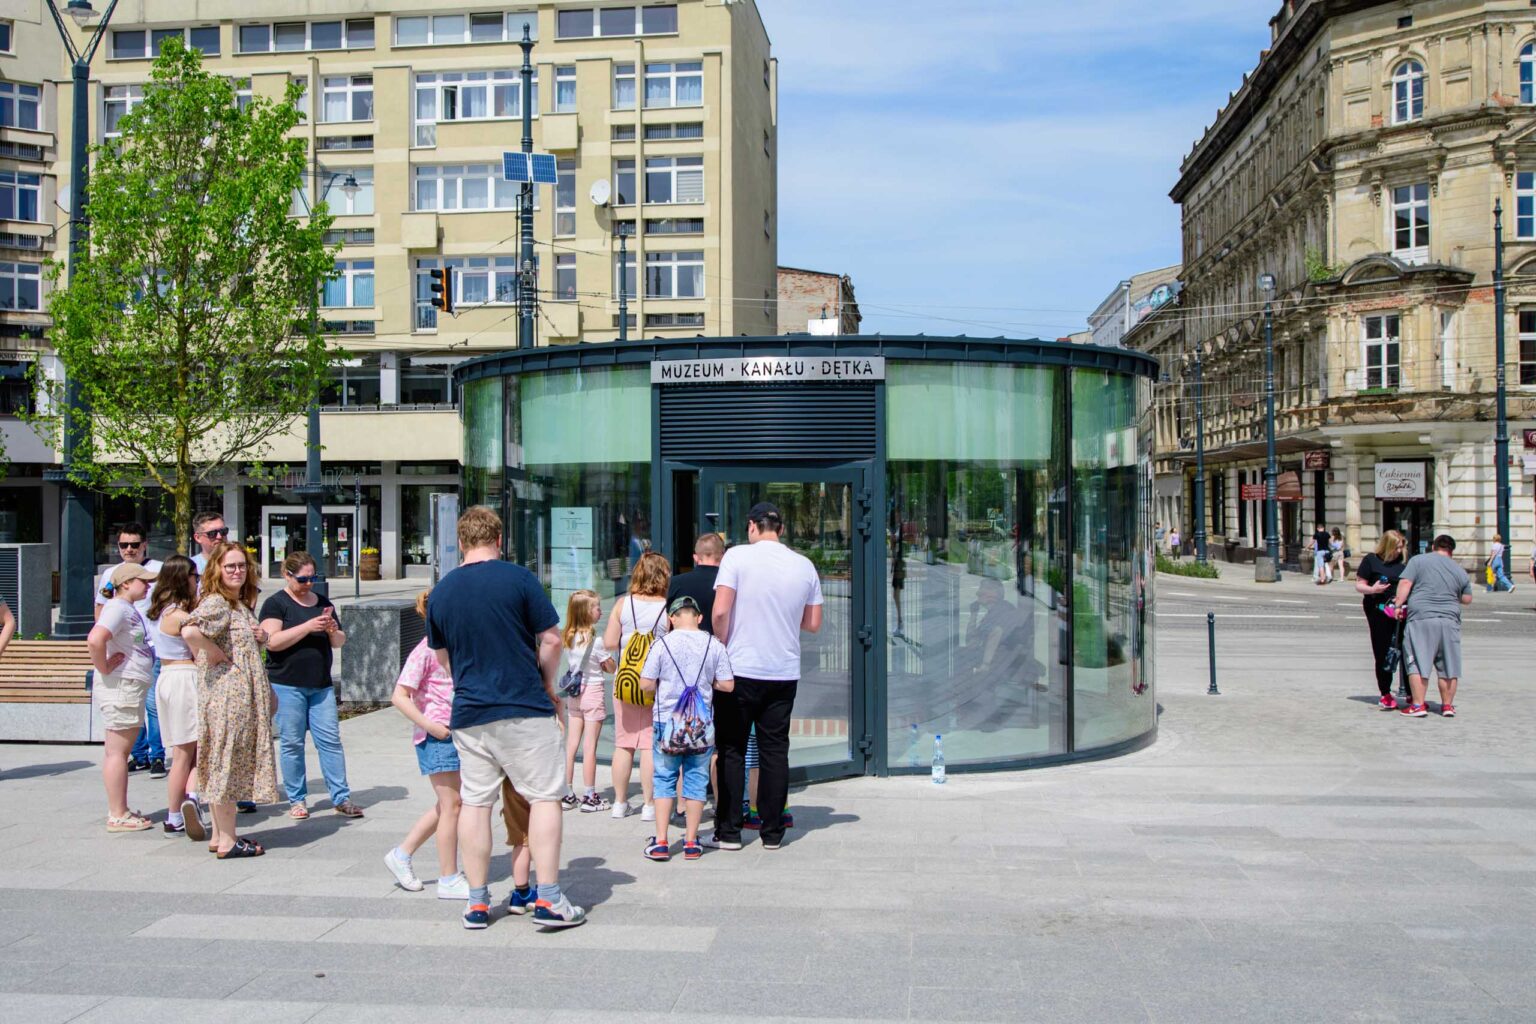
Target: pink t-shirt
(431, 688)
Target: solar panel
(514, 167)
(544, 172)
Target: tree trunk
(182, 518)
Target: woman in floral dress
(235, 702)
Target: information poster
(570, 555)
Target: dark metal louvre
(767, 422)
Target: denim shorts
(434, 755)
(693, 767)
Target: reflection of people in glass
(898, 578)
(639, 539)
(999, 642)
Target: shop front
(980, 514)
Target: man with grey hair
(1432, 591)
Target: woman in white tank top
(643, 609)
(176, 690)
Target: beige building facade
(814, 301)
(1358, 164)
(662, 118)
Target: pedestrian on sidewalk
(638, 621)
(148, 749)
(765, 596)
(235, 704)
(524, 897)
(1320, 548)
(587, 661)
(1173, 544)
(124, 665)
(1376, 580)
(699, 584)
(683, 670)
(424, 695)
(493, 628)
(1339, 569)
(209, 531)
(1433, 589)
(303, 634)
(176, 690)
(1495, 567)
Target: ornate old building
(1358, 164)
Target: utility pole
(527, 280)
(1199, 462)
(1501, 428)
(1267, 570)
(623, 285)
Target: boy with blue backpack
(683, 668)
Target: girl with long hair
(1376, 581)
(170, 608)
(585, 654)
(640, 615)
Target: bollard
(1210, 629)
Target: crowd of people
(502, 700)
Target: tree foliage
(185, 325)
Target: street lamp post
(77, 528)
(1267, 569)
(313, 490)
(1501, 427)
(1199, 462)
(526, 280)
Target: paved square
(1283, 853)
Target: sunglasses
(303, 579)
(129, 545)
(218, 534)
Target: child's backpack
(626, 681)
(690, 728)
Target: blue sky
(990, 167)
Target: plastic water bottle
(912, 748)
(938, 759)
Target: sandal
(298, 812)
(133, 821)
(348, 809)
(242, 841)
(242, 848)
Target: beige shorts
(176, 702)
(119, 701)
(527, 751)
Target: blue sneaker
(477, 916)
(558, 915)
(522, 903)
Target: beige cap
(130, 571)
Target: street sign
(1252, 492)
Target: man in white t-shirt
(765, 595)
(208, 529)
(133, 547)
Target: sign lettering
(1401, 481)
(768, 368)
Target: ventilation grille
(767, 422)
(10, 576)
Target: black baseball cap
(764, 510)
(684, 603)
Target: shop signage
(764, 369)
(1401, 481)
(1530, 438)
(1252, 492)
(1315, 460)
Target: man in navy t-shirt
(495, 631)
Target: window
(616, 21)
(119, 101)
(565, 89)
(205, 40)
(1525, 205)
(565, 277)
(301, 102)
(1406, 21)
(296, 36)
(128, 44)
(19, 105)
(468, 96)
(674, 179)
(675, 226)
(1528, 73)
(347, 98)
(767, 223)
(674, 319)
(1410, 223)
(1380, 354)
(349, 236)
(333, 142)
(243, 94)
(675, 85)
(5, 37)
(694, 130)
(623, 87)
(347, 326)
(336, 198)
(352, 284)
(623, 182)
(20, 195)
(461, 187)
(477, 281)
(629, 321)
(623, 133)
(674, 275)
(21, 286)
(1407, 92)
(624, 274)
(454, 29)
(422, 383)
(353, 382)
(1528, 346)
(565, 198)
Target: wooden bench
(43, 695)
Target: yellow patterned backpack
(626, 681)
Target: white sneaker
(400, 867)
(714, 842)
(453, 888)
(648, 812)
(622, 809)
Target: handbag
(570, 682)
(1488, 574)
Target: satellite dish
(600, 192)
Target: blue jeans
(1500, 580)
(148, 746)
(311, 708)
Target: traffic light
(442, 289)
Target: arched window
(1528, 73)
(1408, 91)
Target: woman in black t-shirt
(302, 632)
(1376, 580)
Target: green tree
(185, 325)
